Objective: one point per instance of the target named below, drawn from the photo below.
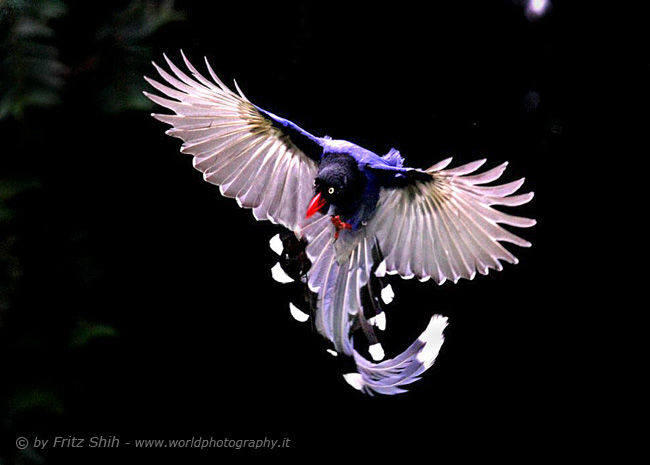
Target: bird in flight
(359, 214)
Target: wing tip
(526, 244)
(241, 94)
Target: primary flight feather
(360, 214)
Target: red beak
(315, 205)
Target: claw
(339, 224)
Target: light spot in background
(298, 314)
(333, 353)
(276, 244)
(537, 8)
(279, 275)
(555, 126)
(531, 101)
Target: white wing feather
(235, 146)
(446, 228)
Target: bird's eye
(330, 190)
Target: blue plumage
(372, 173)
(356, 215)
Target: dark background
(137, 302)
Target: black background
(206, 346)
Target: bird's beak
(315, 205)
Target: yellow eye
(330, 190)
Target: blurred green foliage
(124, 39)
(86, 332)
(56, 56)
(30, 71)
(36, 398)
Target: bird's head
(339, 182)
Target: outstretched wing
(445, 227)
(243, 150)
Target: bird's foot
(339, 224)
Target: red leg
(339, 224)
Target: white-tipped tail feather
(390, 376)
(441, 227)
(387, 294)
(276, 244)
(379, 321)
(376, 352)
(280, 275)
(298, 314)
(355, 380)
(432, 338)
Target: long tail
(389, 376)
(343, 271)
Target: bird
(360, 215)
